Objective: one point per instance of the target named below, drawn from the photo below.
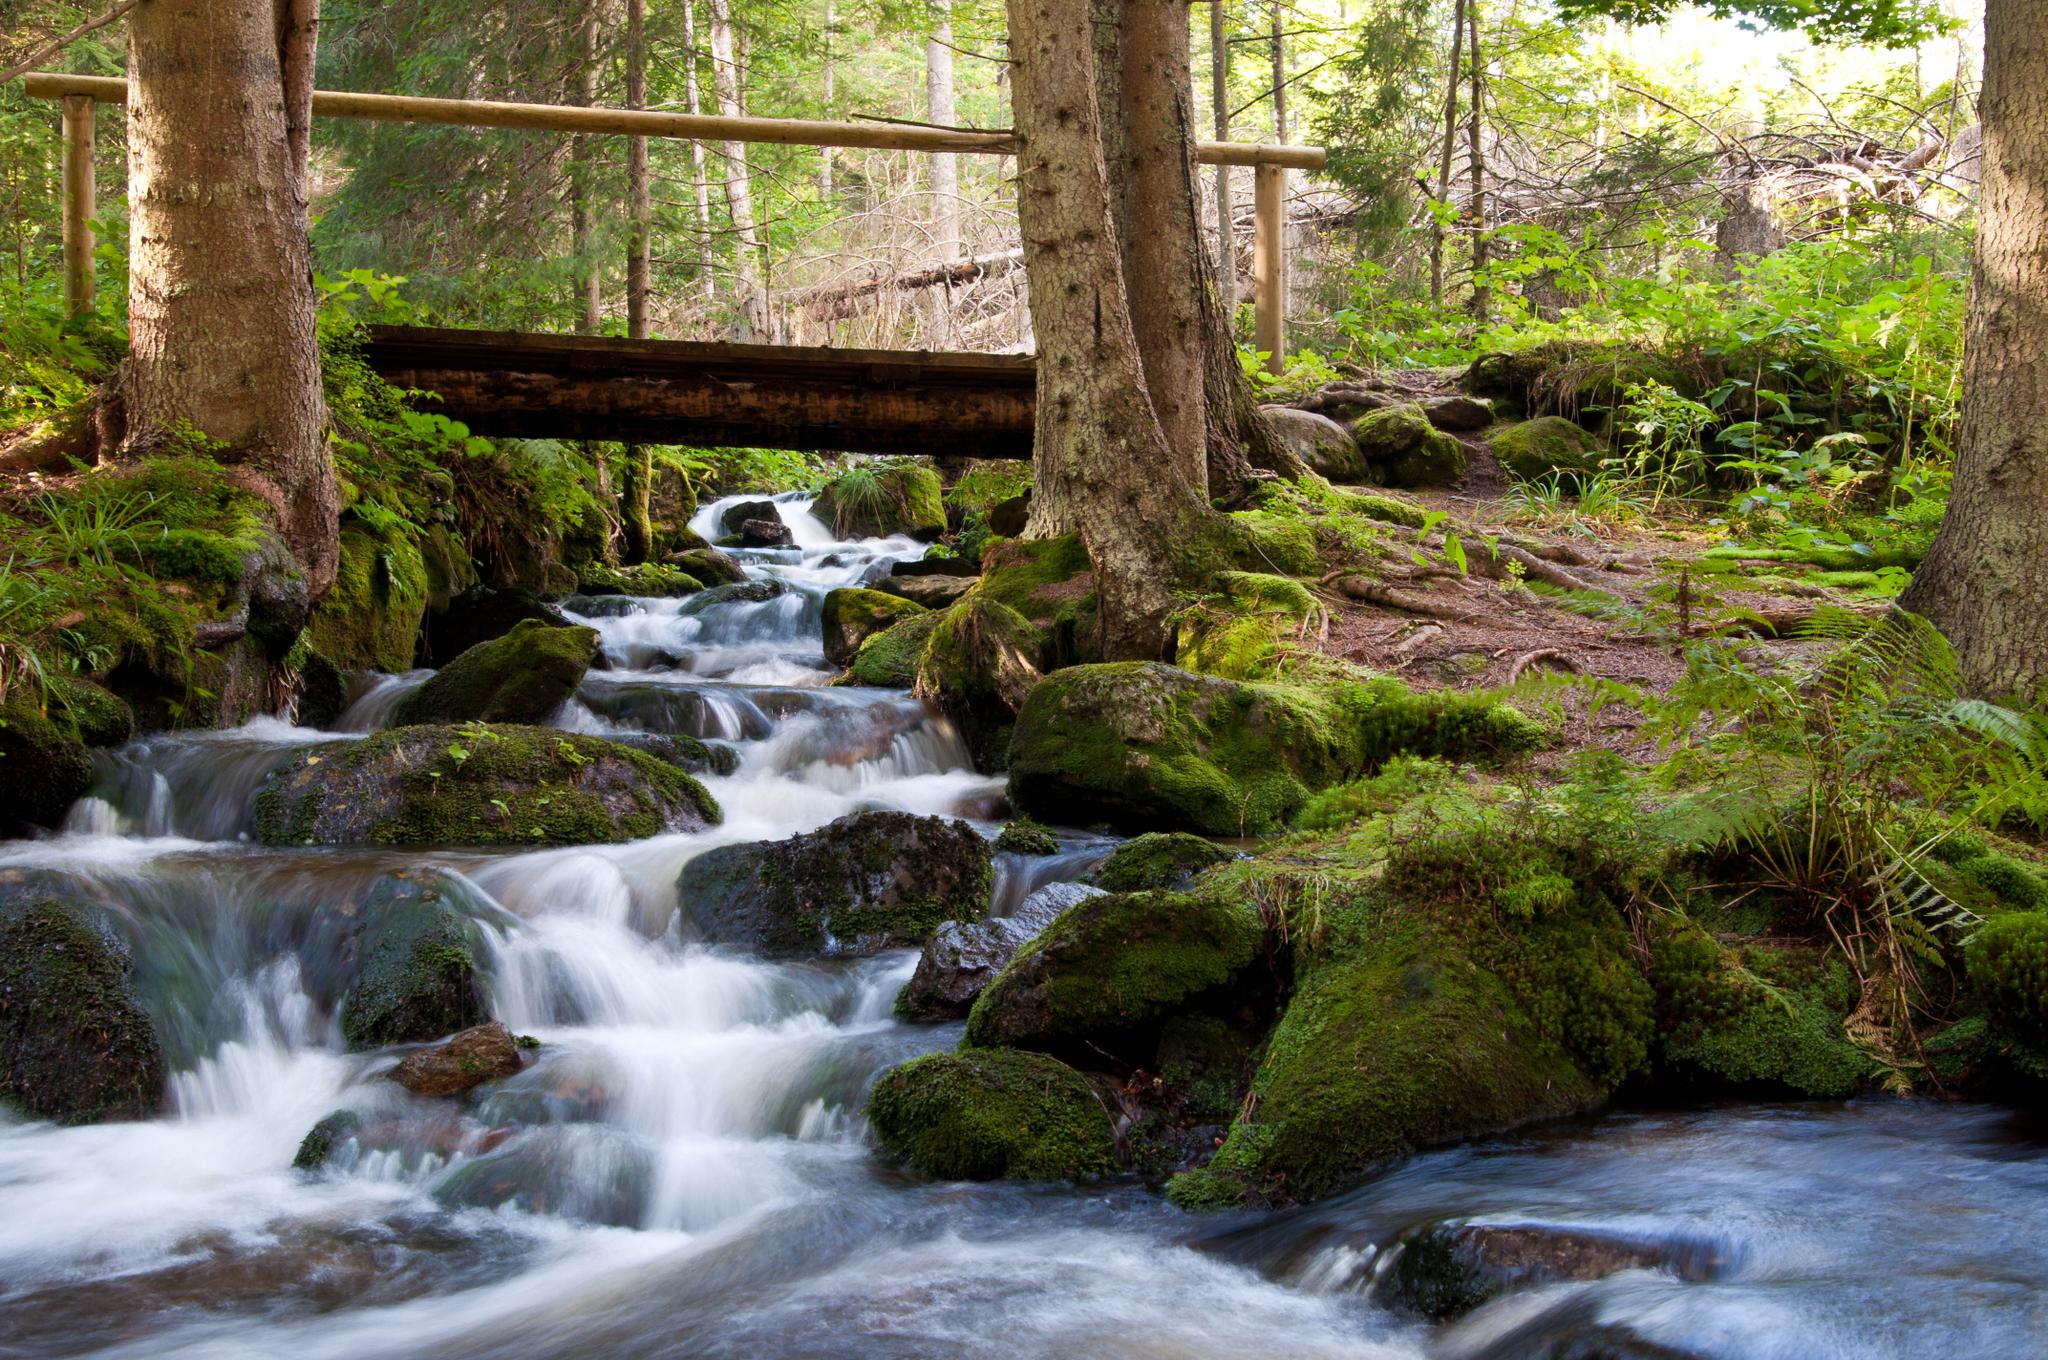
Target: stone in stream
(988, 1114)
(648, 580)
(1446, 1270)
(1160, 859)
(480, 615)
(708, 565)
(522, 677)
(867, 882)
(477, 785)
(889, 659)
(416, 963)
(468, 1059)
(76, 1045)
(850, 616)
(325, 1138)
(765, 533)
(1326, 446)
(963, 957)
(732, 520)
(740, 592)
(46, 767)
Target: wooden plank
(657, 123)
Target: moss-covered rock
(708, 565)
(1145, 746)
(371, 617)
(90, 712)
(477, 785)
(992, 1114)
(979, 665)
(1403, 449)
(1767, 1018)
(851, 616)
(1537, 448)
(876, 502)
(888, 659)
(1318, 441)
(1244, 627)
(1026, 837)
(867, 882)
(1171, 860)
(480, 615)
(653, 580)
(326, 1138)
(1105, 975)
(1050, 584)
(522, 677)
(416, 963)
(44, 766)
(76, 1045)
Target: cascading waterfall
(683, 1169)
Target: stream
(684, 1171)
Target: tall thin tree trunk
(636, 483)
(1099, 443)
(581, 174)
(739, 191)
(831, 108)
(700, 182)
(220, 297)
(1219, 97)
(1982, 583)
(938, 85)
(1452, 79)
(1482, 300)
(1279, 76)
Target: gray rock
(765, 533)
(1458, 413)
(963, 957)
(734, 517)
(933, 592)
(1319, 441)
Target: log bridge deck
(518, 385)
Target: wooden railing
(1270, 164)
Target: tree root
(1386, 597)
(1542, 656)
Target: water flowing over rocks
(417, 963)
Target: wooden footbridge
(517, 384)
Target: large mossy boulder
(370, 618)
(708, 565)
(888, 659)
(1050, 584)
(980, 665)
(76, 1046)
(991, 1114)
(646, 580)
(1171, 860)
(477, 785)
(1403, 449)
(867, 882)
(1766, 1018)
(1145, 746)
(878, 502)
(851, 616)
(480, 615)
(1326, 446)
(1105, 975)
(1547, 445)
(522, 677)
(44, 764)
(417, 953)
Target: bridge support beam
(79, 287)
(1269, 264)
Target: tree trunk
(1219, 97)
(831, 107)
(220, 302)
(637, 476)
(700, 182)
(581, 175)
(1983, 582)
(1443, 166)
(739, 191)
(1100, 458)
(1279, 77)
(938, 86)
(1482, 300)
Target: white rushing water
(684, 1171)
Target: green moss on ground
(1246, 625)
(992, 1114)
(522, 677)
(2008, 971)
(1764, 1017)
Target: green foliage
(2008, 967)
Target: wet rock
(1403, 449)
(765, 533)
(933, 592)
(467, 1060)
(1446, 1270)
(44, 768)
(1026, 837)
(888, 660)
(963, 957)
(76, 1045)
(522, 677)
(867, 882)
(323, 693)
(481, 615)
(1160, 859)
(1104, 975)
(880, 501)
(948, 565)
(1458, 413)
(981, 663)
(708, 565)
(1536, 449)
(416, 963)
(989, 1114)
(654, 580)
(89, 712)
(852, 616)
(1006, 519)
(586, 1173)
(733, 519)
(325, 1139)
(741, 592)
(686, 753)
(1322, 443)
(477, 785)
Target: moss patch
(1766, 1017)
(888, 659)
(1171, 860)
(649, 579)
(851, 616)
(371, 618)
(44, 768)
(992, 1114)
(1537, 448)
(75, 1044)
(522, 677)
(877, 501)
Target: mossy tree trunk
(220, 298)
(1985, 581)
(636, 479)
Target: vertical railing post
(78, 204)
(1269, 262)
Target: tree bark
(1983, 582)
(1482, 300)
(831, 103)
(700, 183)
(581, 166)
(938, 85)
(637, 473)
(220, 302)
(1219, 98)
(1100, 455)
(739, 191)
(1443, 167)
